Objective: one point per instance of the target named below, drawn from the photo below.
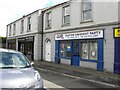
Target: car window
(8, 59)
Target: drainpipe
(42, 20)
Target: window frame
(65, 43)
(89, 52)
(10, 30)
(14, 28)
(22, 26)
(63, 16)
(84, 11)
(48, 20)
(29, 24)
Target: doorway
(75, 53)
(48, 50)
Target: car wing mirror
(32, 63)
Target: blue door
(117, 56)
(75, 53)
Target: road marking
(48, 84)
(67, 75)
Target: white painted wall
(34, 24)
(103, 12)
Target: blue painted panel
(57, 60)
(100, 63)
(75, 61)
(117, 56)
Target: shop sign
(80, 35)
(26, 39)
(117, 32)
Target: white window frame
(48, 20)
(29, 24)
(14, 29)
(10, 30)
(84, 11)
(22, 26)
(65, 15)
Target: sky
(11, 10)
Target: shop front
(11, 44)
(26, 46)
(80, 47)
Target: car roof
(9, 50)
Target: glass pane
(84, 51)
(65, 49)
(49, 16)
(76, 48)
(62, 49)
(87, 6)
(68, 49)
(93, 50)
(49, 23)
(67, 10)
(87, 15)
(67, 19)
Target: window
(86, 12)
(29, 24)
(10, 30)
(89, 49)
(66, 15)
(14, 29)
(65, 49)
(22, 26)
(48, 20)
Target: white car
(17, 72)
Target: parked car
(16, 71)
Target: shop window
(89, 50)
(65, 49)
(93, 50)
(84, 52)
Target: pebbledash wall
(84, 43)
(25, 35)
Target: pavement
(92, 75)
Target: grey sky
(12, 10)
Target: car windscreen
(13, 60)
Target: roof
(51, 7)
(8, 50)
(23, 17)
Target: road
(54, 79)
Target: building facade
(2, 42)
(81, 33)
(25, 35)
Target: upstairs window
(66, 15)
(22, 26)
(14, 29)
(87, 10)
(29, 24)
(10, 30)
(48, 20)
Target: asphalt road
(54, 79)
